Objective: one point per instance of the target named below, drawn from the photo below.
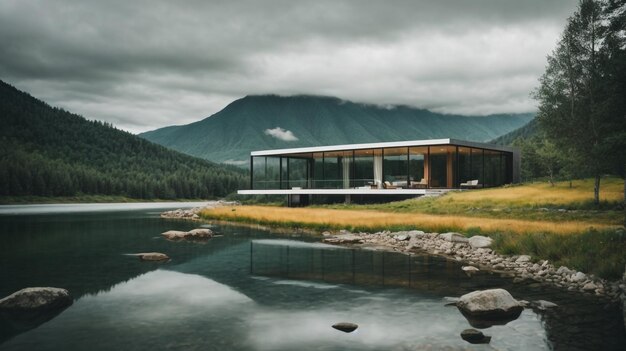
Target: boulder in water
(489, 307)
(30, 307)
(36, 298)
(345, 327)
(153, 256)
(474, 336)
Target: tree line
(46, 151)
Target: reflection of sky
(171, 310)
(108, 207)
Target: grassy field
(534, 201)
(557, 223)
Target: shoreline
(456, 247)
(451, 245)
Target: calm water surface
(253, 290)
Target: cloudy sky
(147, 64)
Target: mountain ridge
(47, 151)
(242, 126)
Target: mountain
(527, 131)
(46, 151)
(259, 122)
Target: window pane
(477, 166)
(363, 168)
(417, 174)
(395, 166)
(442, 170)
(258, 172)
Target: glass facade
(414, 167)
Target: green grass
(601, 252)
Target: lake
(252, 289)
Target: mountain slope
(525, 132)
(230, 134)
(46, 151)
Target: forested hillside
(46, 151)
(269, 122)
(525, 132)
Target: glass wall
(318, 170)
(396, 166)
(363, 168)
(266, 172)
(442, 160)
(464, 165)
(418, 176)
(297, 171)
(476, 160)
(437, 166)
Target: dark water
(254, 290)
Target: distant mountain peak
(270, 121)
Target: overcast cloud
(148, 64)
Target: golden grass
(378, 220)
(537, 194)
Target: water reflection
(157, 310)
(253, 290)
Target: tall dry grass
(320, 218)
(538, 194)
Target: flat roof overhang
(343, 191)
(301, 150)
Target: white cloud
(281, 134)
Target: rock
(30, 299)
(474, 336)
(415, 233)
(174, 234)
(522, 259)
(563, 270)
(152, 256)
(200, 233)
(344, 239)
(478, 241)
(589, 286)
(489, 307)
(543, 305)
(453, 237)
(578, 277)
(345, 327)
(326, 233)
(30, 307)
(402, 237)
(470, 269)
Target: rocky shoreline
(192, 214)
(476, 252)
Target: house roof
(345, 147)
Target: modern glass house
(404, 168)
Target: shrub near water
(601, 252)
